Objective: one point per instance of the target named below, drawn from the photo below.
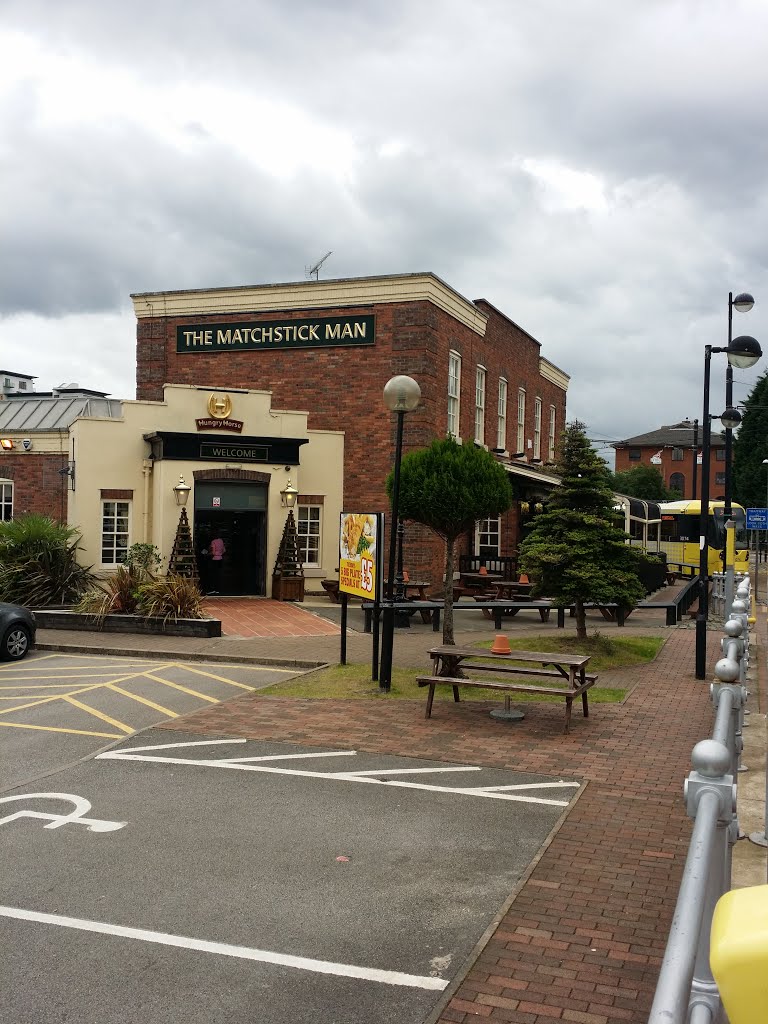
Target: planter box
(47, 618)
(287, 588)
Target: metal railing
(686, 992)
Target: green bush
(133, 591)
(38, 562)
(172, 597)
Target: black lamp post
(401, 395)
(742, 304)
(742, 352)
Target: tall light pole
(401, 395)
(742, 304)
(742, 352)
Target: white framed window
(6, 500)
(501, 418)
(551, 441)
(520, 420)
(480, 405)
(115, 531)
(488, 537)
(308, 526)
(454, 393)
(537, 429)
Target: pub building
(253, 394)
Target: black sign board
(310, 332)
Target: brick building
(241, 390)
(672, 450)
(328, 347)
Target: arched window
(677, 483)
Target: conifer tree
(750, 447)
(576, 552)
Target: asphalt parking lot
(229, 880)
(57, 708)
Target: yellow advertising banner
(358, 554)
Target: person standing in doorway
(216, 552)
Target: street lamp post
(742, 304)
(401, 395)
(742, 352)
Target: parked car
(17, 629)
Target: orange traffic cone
(501, 645)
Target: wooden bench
(567, 693)
(619, 613)
(331, 587)
(430, 610)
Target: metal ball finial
(711, 759)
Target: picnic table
(480, 579)
(569, 667)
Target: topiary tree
(448, 487)
(576, 552)
(750, 447)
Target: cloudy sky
(596, 169)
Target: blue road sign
(757, 518)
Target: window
(501, 421)
(551, 442)
(537, 429)
(720, 479)
(677, 454)
(634, 454)
(480, 405)
(22, 385)
(308, 534)
(719, 454)
(487, 536)
(114, 531)
(6, 500)
(677, 482)
(520, 421)
(454, 392)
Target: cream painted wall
(113, 455)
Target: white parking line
(245, 764)
(266, 956)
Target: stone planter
(48, 618)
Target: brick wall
(37, 484)
(342, 389)
(669, 466)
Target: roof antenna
(316, 268)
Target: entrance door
(244, 535)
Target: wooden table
(570, 667)
(475, 580)
(416, 591)
(511, 589)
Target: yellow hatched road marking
(98, 714)
(31, 686)
(142, 700)
(221, 679)
(30, 704)
(53, 728)
(184, 689)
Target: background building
(240, 390)
(672, 451)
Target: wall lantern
(288, 495)
(181, 492)
(6, 442)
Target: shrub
(38, 562)
(171, 597)
(118, 594)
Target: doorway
(243, 569)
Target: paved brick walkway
(583, 939)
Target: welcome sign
(310, 332)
